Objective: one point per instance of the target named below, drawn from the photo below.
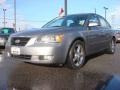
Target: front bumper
(53, 54)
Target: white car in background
(117, 35)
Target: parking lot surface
(99, 69)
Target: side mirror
(91, 24)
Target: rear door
(105, 29)
(93, 35)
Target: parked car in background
(117, 35)
(64, 40)
(4, 34)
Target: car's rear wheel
(112, 45)
(76, 55)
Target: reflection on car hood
(41, 31)
(112, 83)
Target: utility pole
(4, 10)
(65, 7)
(95, 10)
(105, 8)
(15, 14)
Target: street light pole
(65, 7)
(95, 10)
(15, 14)
(105, 8)
(4, 10)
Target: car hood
(43, 31)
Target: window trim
(108, 25)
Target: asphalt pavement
(98, 70)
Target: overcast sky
(34, 13)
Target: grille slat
(19, 41)
(22, 56)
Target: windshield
(6, 31)
(70, 21)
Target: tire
(76, 55)
(112, 45)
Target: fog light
(46, 57)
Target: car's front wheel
(76, 55)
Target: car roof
(6, 28)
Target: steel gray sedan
(64, 40)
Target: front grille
(19, 41)
(22, 56)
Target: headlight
(2, 40)
(51, 38)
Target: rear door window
(104, 23)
